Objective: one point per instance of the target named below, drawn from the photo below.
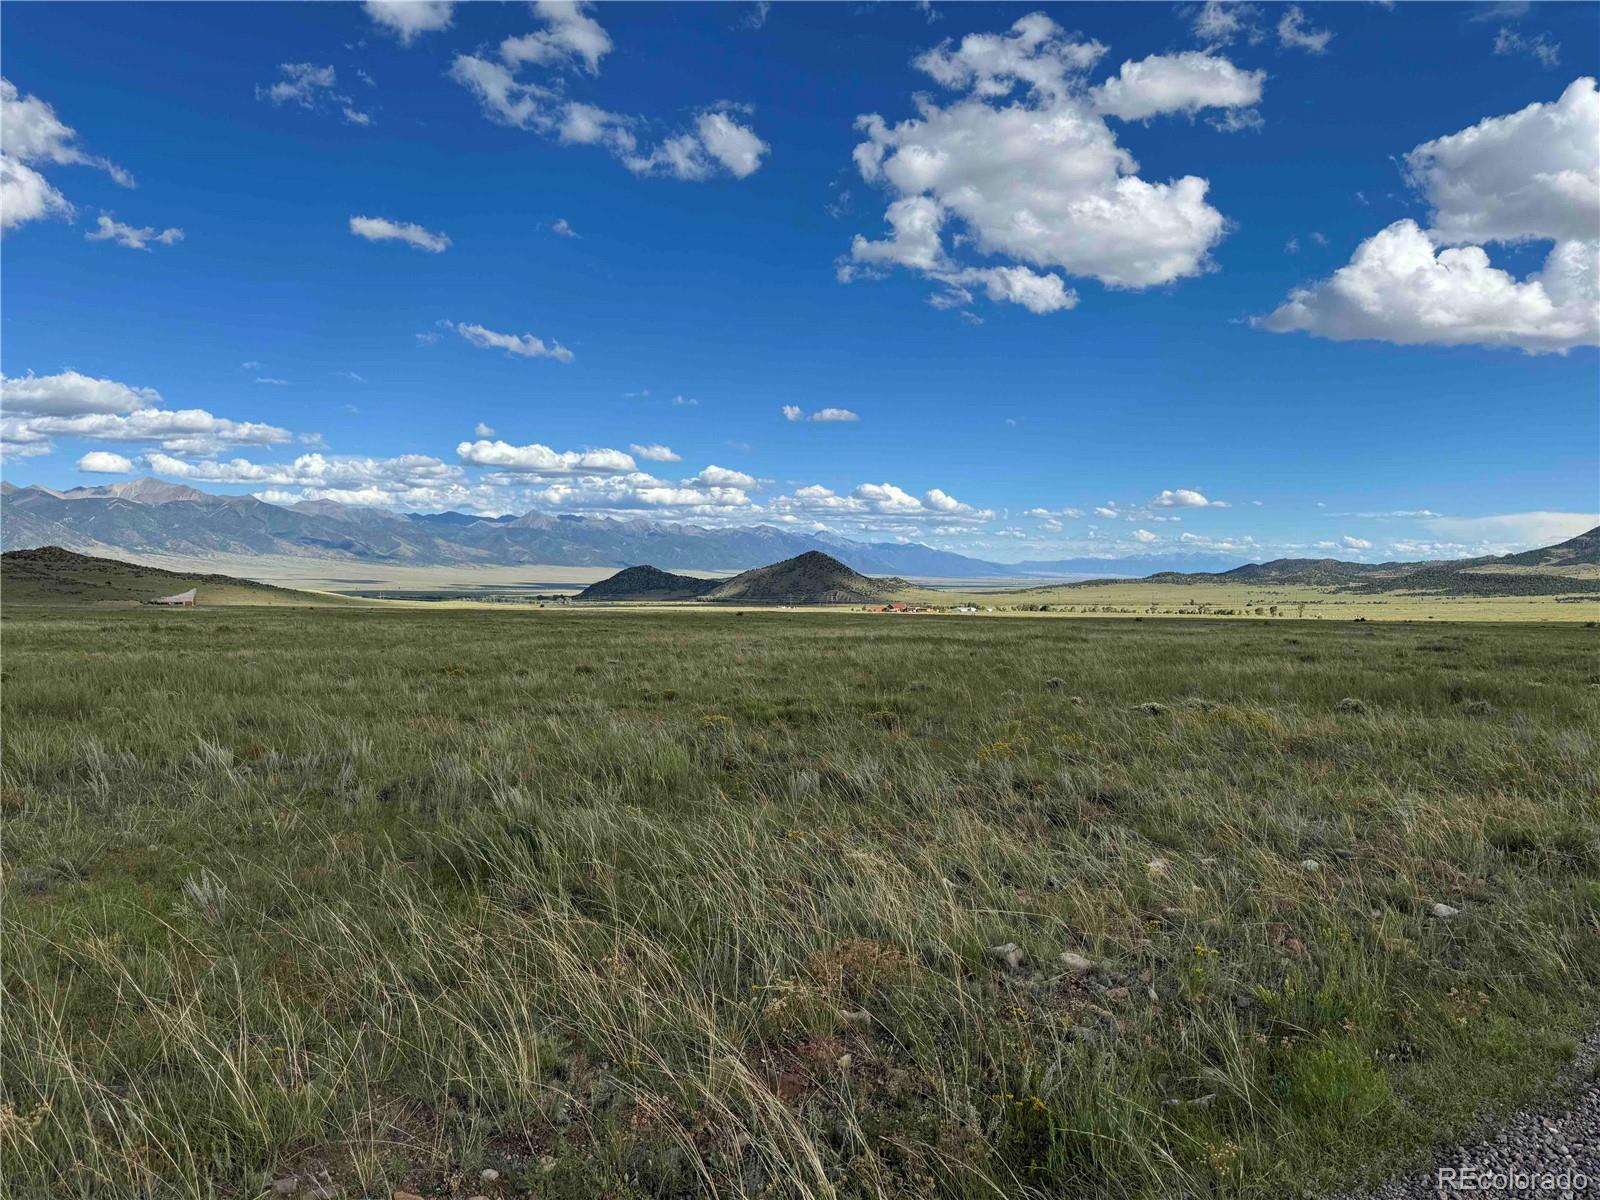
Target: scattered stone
(1310, 865)
(1055, 685)
(1351, 705)
(287, 1186)
(488, 1175)
(1444, 911)
(322, 1191)
(546, 1164)
(1076, 964)
(1150, 708)
(1158, 868)
(1008, 953)
(1118, 994)
(402, 1194)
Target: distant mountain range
(149, 517)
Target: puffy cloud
(637, 492)
(406, 481)
(1355, 543)
(870, 505)
(562, 228)
(793, 412)
(1028, 167)
(407, 19)
(134, 239)
(379, 229)
(715, 476)
(1399, 288)
(653, 453)
(572, 38)
(25, 195)
(1145, 536)
(523, 345)
(70, 394)
(30, 132)
(541, 460)
(1218, 23)
(483, 430)
(1295, 33)
(1177, 83)
(37, 408)
(1184, 498)
(1531, 176)
(733, 145)
(184, 430)
(103, 462)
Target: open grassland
(630, 905)
(1147, 599)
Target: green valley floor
(619, 904)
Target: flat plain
(769, 904)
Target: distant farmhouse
(180, 600)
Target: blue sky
(1266, 288)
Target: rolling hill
(810, 578)
(647, 583)
(53, 576)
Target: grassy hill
(810, 578)
(53, 576)
(647, 583)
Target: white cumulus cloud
(654, 452)
(1177, 83)
(407, 19)
(1532, 176)
(571, 39)
(103, 462)
(1022, 165)
(542, 460)
(31, 133)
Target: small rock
(1055, 685)
(322, 1191)
(402, 1194)
(1118, 994)
(1310, 865)
(1076, 964)
(287, 1186)
(1444, 911)
(1008, 953)
(1150, 708)
(1205, 1101)
(488, 1175)
(546, 1164)
(1351, 705)
(1158, 868)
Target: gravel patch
(1552, 1152)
